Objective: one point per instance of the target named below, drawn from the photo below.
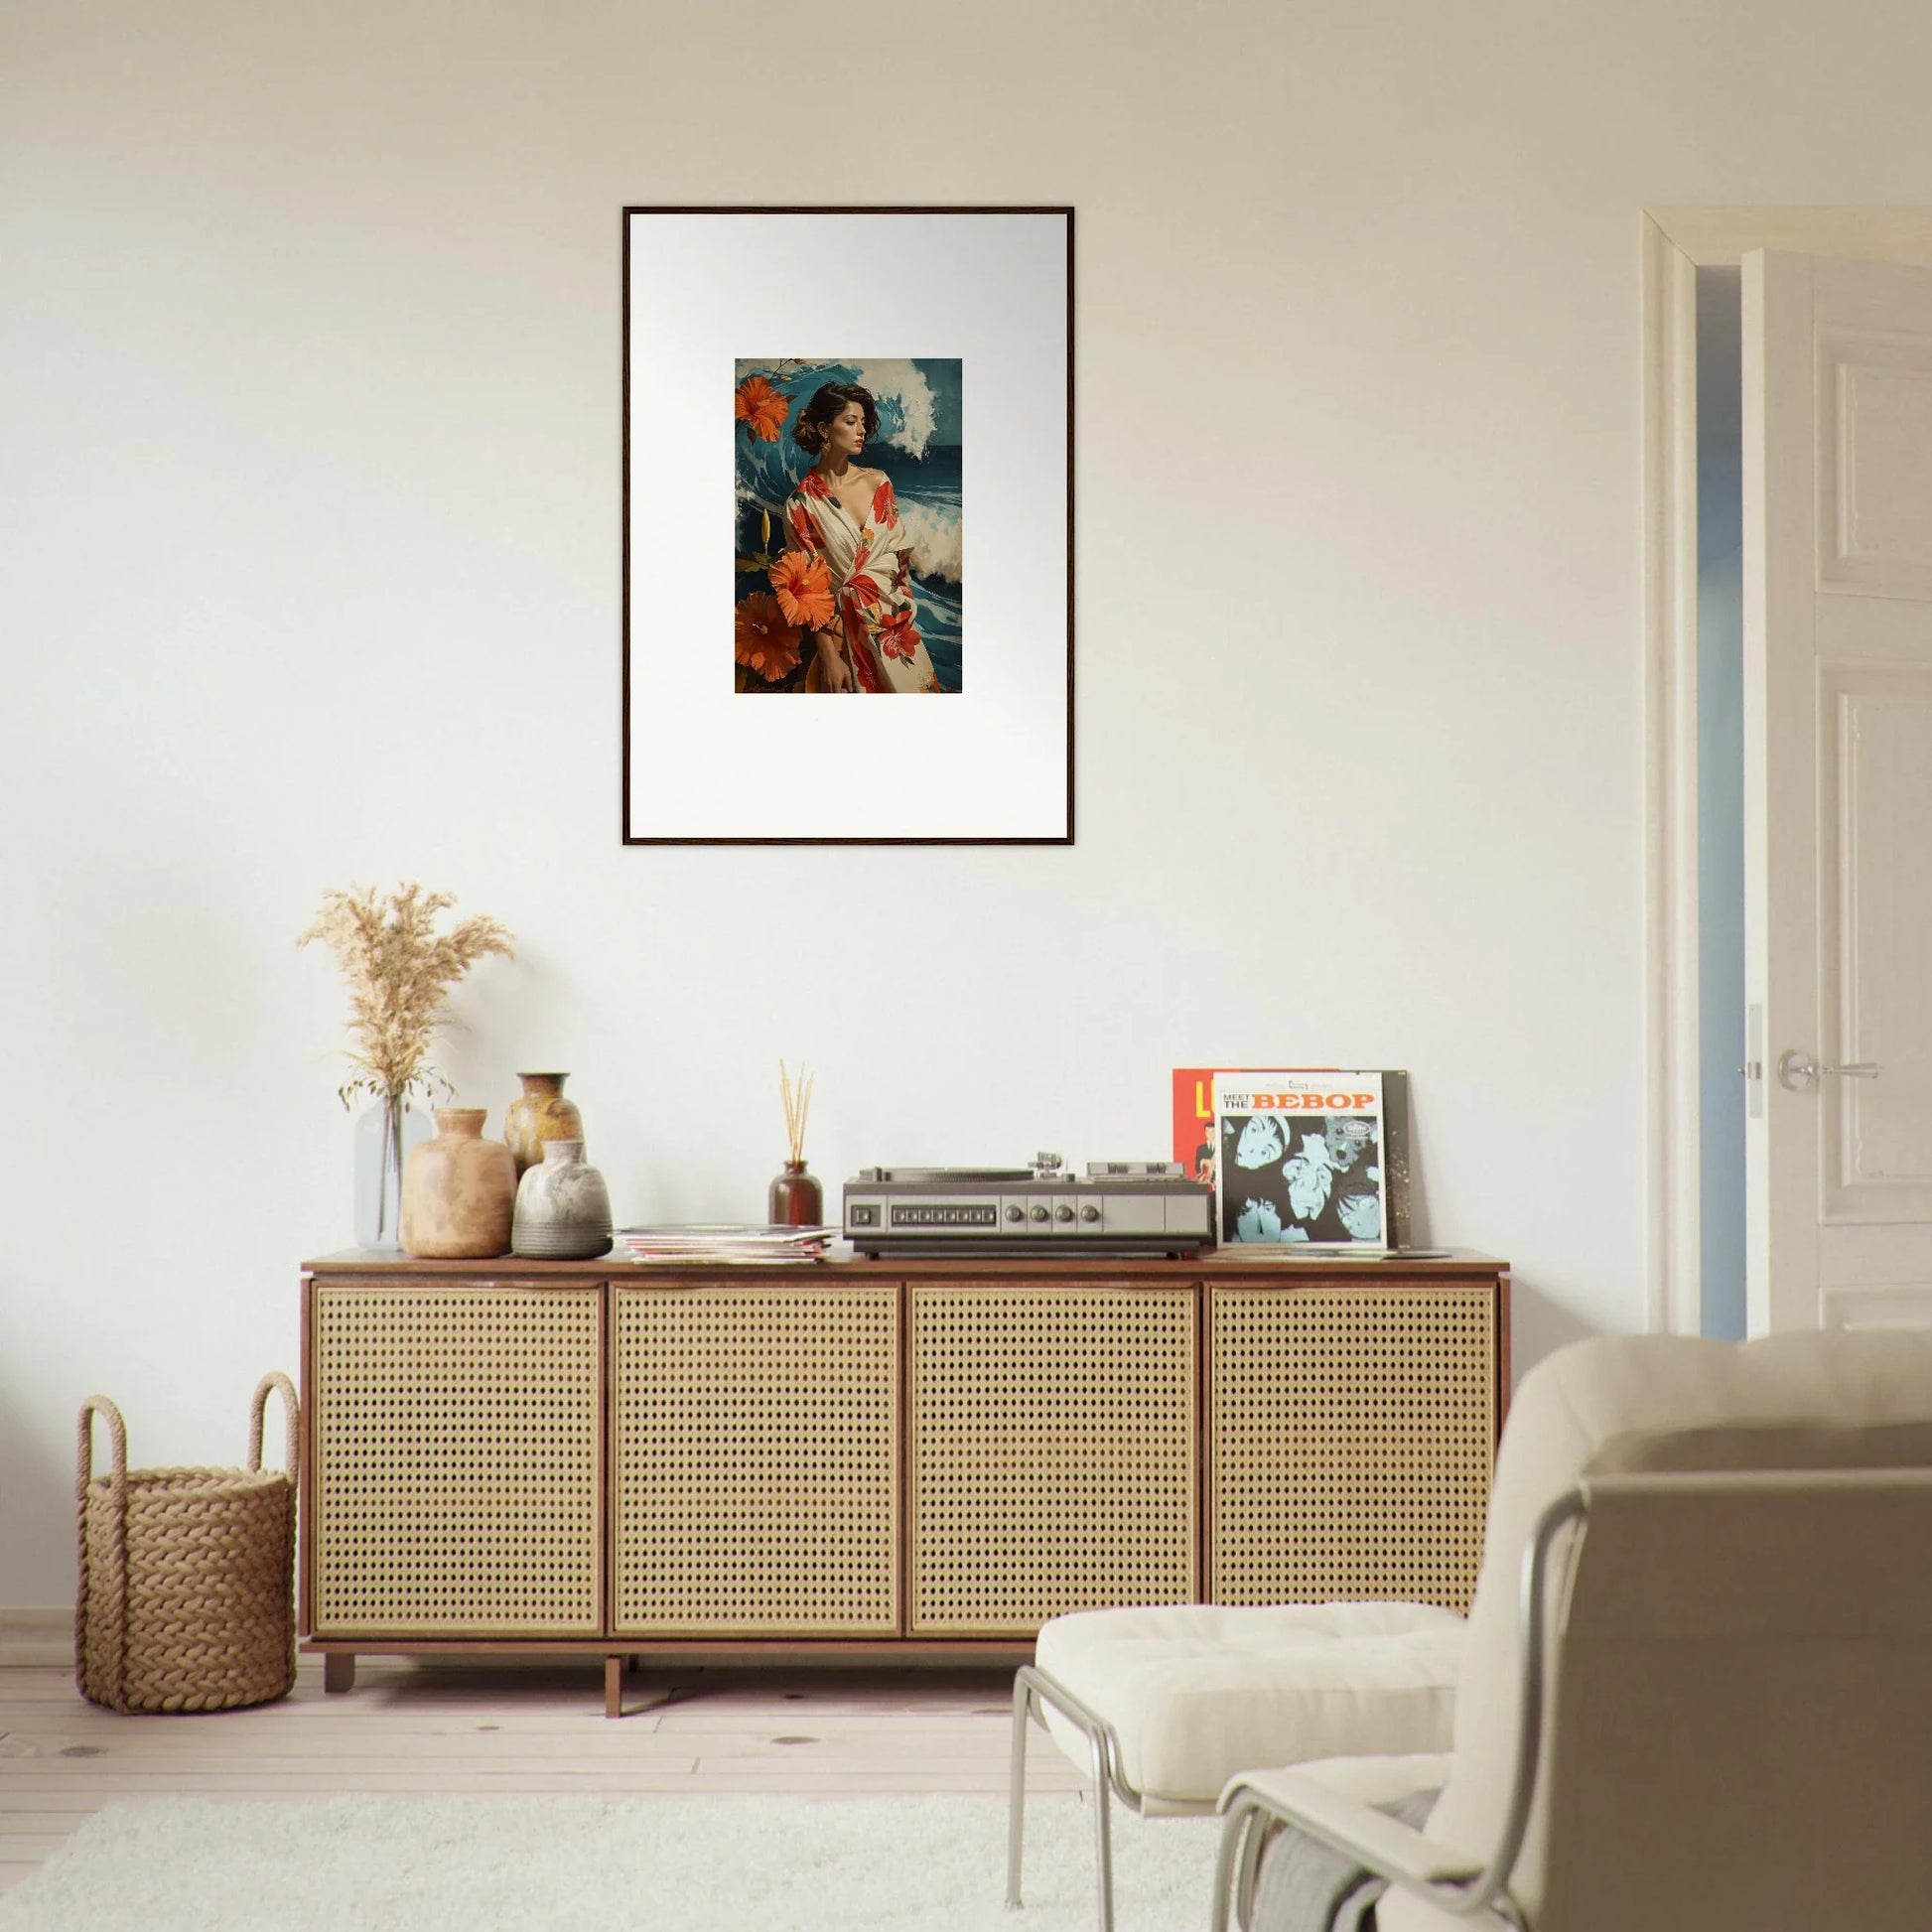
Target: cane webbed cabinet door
(756, 1458)
(457, 1436)
(1351, 1437)
(1052, 1433)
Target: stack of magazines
(723, 1241)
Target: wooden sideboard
(908, 1459)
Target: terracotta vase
(540, 1113)
(459, 1191)
(563, 1208)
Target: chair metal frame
(1032, 1688)
(1480, 1895)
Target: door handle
(1798, 1070)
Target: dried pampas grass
(398, 968)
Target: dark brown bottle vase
(797, 1201)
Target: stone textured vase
(459, 1191)
(539, 1114)
(563, 1208)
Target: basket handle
(112, 1645)
(98, 1405)
(275, 1379)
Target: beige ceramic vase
(459, 1191)
(539, 1114)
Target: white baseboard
(41, 1636)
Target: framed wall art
(848, 472)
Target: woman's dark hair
(808, 432)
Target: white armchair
(1697, 1690)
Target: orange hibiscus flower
(762, 407)
(804, 588)
(765, 641)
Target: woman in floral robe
(847, 516)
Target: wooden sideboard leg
(338, 1670)
(614, 1686)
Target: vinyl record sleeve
(1196, 1145)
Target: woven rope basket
(185, 1599)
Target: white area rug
(626, 1864)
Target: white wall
(310, 464)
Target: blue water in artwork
(931, 485)
(918, 446)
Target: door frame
(1675, 244)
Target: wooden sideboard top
(1211, 1265)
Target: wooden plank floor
(506, 1730)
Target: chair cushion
(1197, 1691)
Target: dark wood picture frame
(636, 835)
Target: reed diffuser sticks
(797, 1099)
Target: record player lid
(940, 1175)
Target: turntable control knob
(1014, 1212)
(1062, 1212)
(1038, 1213)
(1089, 1212)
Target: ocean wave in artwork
(907, 414)
(935, 533)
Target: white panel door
(1838, 789)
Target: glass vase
(384, 1134)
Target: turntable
(1116, 1207)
